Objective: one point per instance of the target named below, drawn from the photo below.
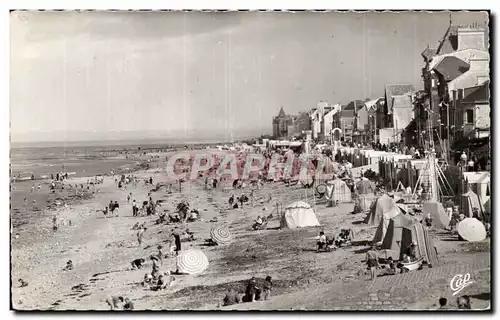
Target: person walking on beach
(116, 206)
(372, 262)
(140, 235)
(128, 197)
(135, 210)
(177, 241)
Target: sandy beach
(102, 248)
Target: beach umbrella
(471, 230)
(220, 235)
(192, 261)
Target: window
(469, 116)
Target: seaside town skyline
(210, 82)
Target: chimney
(471, 37)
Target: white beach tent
(297, 215)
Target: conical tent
(364, 203)
(384, 223)
(382, 205)
(365, 186)
(394, 234)
(468, 202)
(425, 246)
(440, 219)
(337, 190)
(297, 215)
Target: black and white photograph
(265, 160)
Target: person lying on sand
(22, 283)
(69, 266)
(115, 303)
(137, 263)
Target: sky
(203, 75)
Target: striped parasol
(220, 235)
(192, 261)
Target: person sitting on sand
(321, 241)
(116, 207)
(252, 292)
(148, 279)
(160, 284)
(155, 270)
(463, 303)
(22, 283)
(115, 303)
(69, 266)
(442, 303)
(428, 221)
(128, 305)
(174, 217)
(231, 200)
(267, 287)
(392, 266)
(137, 263)
(232, 297)
(257, 223)
(188, 235)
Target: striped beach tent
(192, 261)
(417, 233)
(220, 235)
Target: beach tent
(365, 186)
(487, 207)
(480, 183)
(297, 215)
(384, 223)
(364, 203)
(469, 201)
(384, 205)
(425, 246)
(337, 190)
(393, 235)
(440, 219)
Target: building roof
(396, 90)
(281, 113)
(451, 67)
(449, 42)
(372, 104)
(478, 93)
